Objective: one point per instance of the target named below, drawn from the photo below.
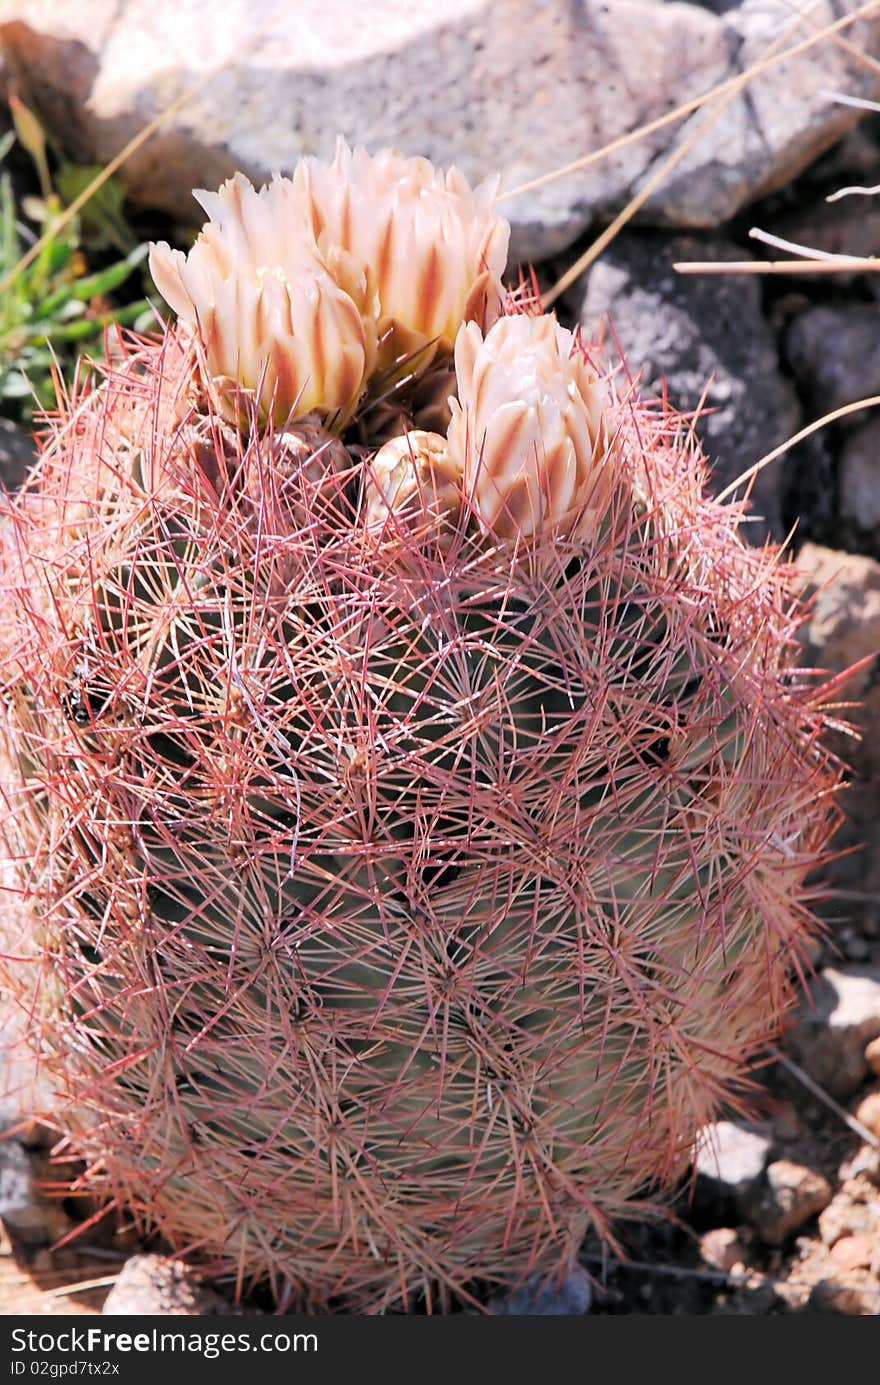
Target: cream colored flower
(433, 245)
(274, 317)
(528, 429)
(413, 482)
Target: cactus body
(389, 907)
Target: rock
(786, 1122)
(868, 1113)
(18, 451)
(852, 1253)
(759, 141)
(872, 1056)
(835, 354)
(703, 335)
(722, 1248)
(859, 479)
(31, 1219)
(843, 629)
(844, 1219)
(789, 1197)
(730, 1158)
(541, 1297)
(859, 1297)
(756, 1298)
(829, 1031)
(455, 82)
(864, 1164)
(24, 1087)
(151, 1285)
(18, 1205)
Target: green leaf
(84, 327)
(103, 218)
(91, 285)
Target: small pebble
(843, 1218)
(852, 1253)
(24, 1216)
(546, 1297)
(722, 1248)
(153, 1285)
(865, 1165)
(730, 1158)
(789, 1197)
(828, 1033)
(867, 1113)
(860, 1299)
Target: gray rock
(831, 1029)
(843, 630)
(785, 1200)
(456, 82)
(25, 1089)
(17, 1205)
(153, 1285)
(509, 86)
(859, 479)
(701, 334)
(729, 1160)
(31, 1219)
(545, 1298)
(18, 451)
(760, 140)
(835, 355)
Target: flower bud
(303, 474)
(528, 430)
(413, 482)
(274, 318)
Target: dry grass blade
(869, 403)
(779, 243)
(820, 1093)
(843, 264)
(81, 1286)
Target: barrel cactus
(405, 833)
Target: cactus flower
(433, 244)
(528, 429)
(275, 318)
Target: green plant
(54, 307)
(405, 840)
